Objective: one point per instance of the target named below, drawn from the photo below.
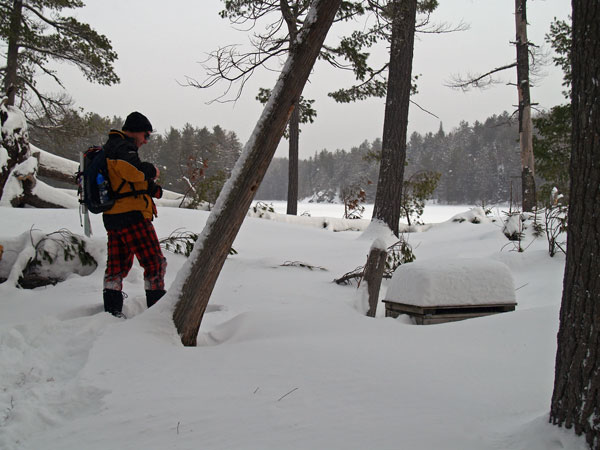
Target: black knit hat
(137, 122)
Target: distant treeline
(478, 163)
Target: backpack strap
(133, 193)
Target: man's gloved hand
(154, 190)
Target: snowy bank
(285, 360)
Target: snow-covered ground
(286, 358)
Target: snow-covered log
(55, 167)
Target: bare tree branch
(425, 27)
(423, 109)
(477, 81)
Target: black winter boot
(113, 302)
(153, 296)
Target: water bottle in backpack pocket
(103, 187)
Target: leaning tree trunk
(576, 396)
(387, 206)
(235, 198)
(294, 127)
(525, 123)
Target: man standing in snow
(129, 222)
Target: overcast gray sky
(158, 45)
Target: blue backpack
(95, 191)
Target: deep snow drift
(286, 358)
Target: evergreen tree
(35, 33)
(72, 133)
(553, 150)
(553, 141)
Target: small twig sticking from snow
(256, 390)
(178, 427)
(285, 395)
(521, 286)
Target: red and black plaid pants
(140, 240)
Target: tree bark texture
(292, 198)
(525, 123)
(226, 218)
(12, 55)
(290, 16)
(374, 272)
(387, 205)
(388, 198)
(576, 397)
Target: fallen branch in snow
(352, 275)
(301, 264)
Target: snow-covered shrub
(398, 254)
(353, 196)
(325, 196)
(517, 226)
(261, 208)
(514, 226)
(474, 215)
(181, 242)
(37, 259)
(555, 219)
(207, 190)
(415, 192)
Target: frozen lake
(432, 214)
